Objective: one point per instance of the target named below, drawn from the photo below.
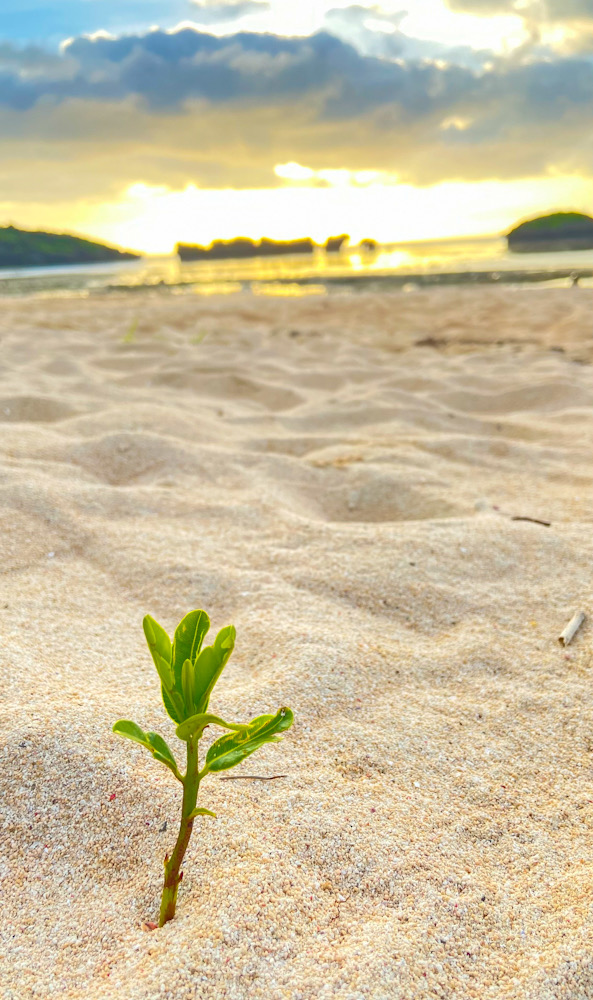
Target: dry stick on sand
(533, 520)
(568, 633)
(253, 777)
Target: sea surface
(402, 266)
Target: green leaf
(164, 670)
(152, 741)
(196, 723)
(201, 812)
(173, 704)
(160, 648)
(187, 643)
(187, 677)
(210, 664)
(231, 749)
(189, 727)
(161, 751)
(123, 727)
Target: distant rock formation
(335, 243)
(22, 248)
(242, 248)
(369, 245)
(559, 231)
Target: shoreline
(457, 263)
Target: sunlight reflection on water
(397, 267)
(289, 289)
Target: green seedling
(188, 674)
(130, 335)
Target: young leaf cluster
(188, 671)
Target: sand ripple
(337, 477)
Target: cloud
(219, 11)
(534, 11)
(374, 33)
(165, 70)
(190, 107)
(31, 59)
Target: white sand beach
(337, 476)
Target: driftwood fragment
(533, 520)
(253, 777)
(568, 633)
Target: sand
(337, 476)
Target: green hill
(22, 248)
(559, 231)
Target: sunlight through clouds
(154, 219)
(433, 20)
(295, 173)
(152, 122)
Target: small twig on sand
(568, 633)
(534, 520)
(253, 777)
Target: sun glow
(436, 22)
(296, 173)
(293, 172)
(429, 19)
(154, 218)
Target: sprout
(188, 674)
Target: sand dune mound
(123, 458)
(27, 541)
(339, 476)
(154, 418)
(356, 493)
(549, 395)
(33, 409)
(230, 386)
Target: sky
(147, 122)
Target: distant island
(241, 248)
(23, 248)
(335, 243)
(559, 231)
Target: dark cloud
(30, 59)
(189, 106)
(208, 12)
(166, 70)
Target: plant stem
(191, 784)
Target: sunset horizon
(148, 124)
(351, 243)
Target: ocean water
(403, 266)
